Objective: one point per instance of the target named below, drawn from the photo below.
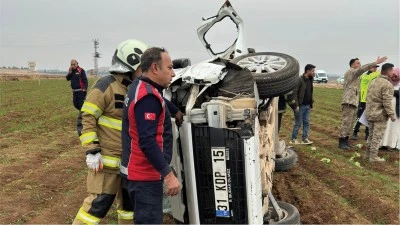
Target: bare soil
(43, 171)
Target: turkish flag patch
(149, 116)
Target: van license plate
(218, 155)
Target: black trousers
(361, 108)
(78, 98)
(279, 121)
(147, 199)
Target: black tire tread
(275, 83)
(293, 214)
(286, 163)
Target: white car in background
(321, 77)
(340, 80)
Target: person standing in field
(79, 83)
(365, 80)
(303, 97)
(147, 138)
(379, 109)
(350, 97)
(287, 98)
(99, 129)
(391, 138)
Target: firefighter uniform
(100, 131)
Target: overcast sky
(326, 33)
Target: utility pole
(96, 55)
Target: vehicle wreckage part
(194, 90)
(276, 210)
(216, 115)
(280, 148)
(238, 81)
(177, 202)
(191, 189)
(275, 73)
(181, 63)
(290, 214)
(253, 182)
(217, 112)
(287, 161)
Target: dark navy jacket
(78, 79)
(146, 132)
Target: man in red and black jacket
(79, 83)
(147, 138)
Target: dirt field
(42, 165)
(339, 191)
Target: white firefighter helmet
(127, 56)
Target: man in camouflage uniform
(351, 97)
(379, 109)
(99, 130)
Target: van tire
(287, 162)
(271, 84)
(291, 214)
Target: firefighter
(99, 129)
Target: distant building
(32, 66)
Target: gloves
(94, 161)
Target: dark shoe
(384, 148)
(354, 137)
(346, 142)
(342, 144)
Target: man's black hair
(352, 61)
(386, 67)
(150, 56)
(308, 67)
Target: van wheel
(286, 162)
(290, 214)
(275, 73)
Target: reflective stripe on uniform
(125, 215)
(110, 122)
(111, 162)
(86, 218)
(89, 137)
(92, 109)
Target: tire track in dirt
(364, 198)
(316, 203)
(308, 180)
